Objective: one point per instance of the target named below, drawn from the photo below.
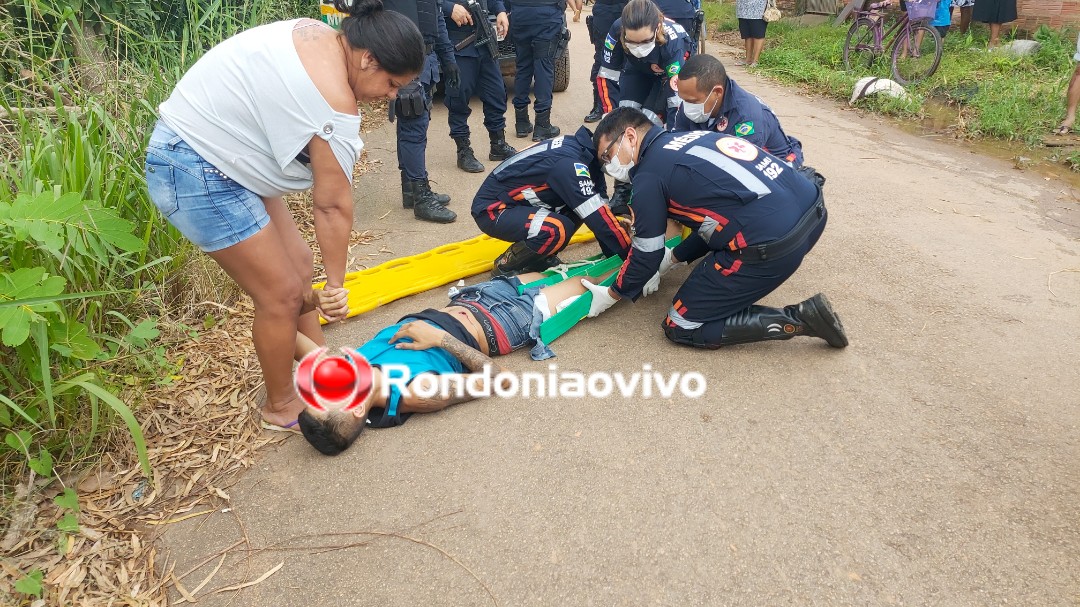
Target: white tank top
(249, 107)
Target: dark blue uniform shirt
(744, 115)
(664, 62)
(732, 193)
(561, 175)
(458, 33)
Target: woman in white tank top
(269, 111)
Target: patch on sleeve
(581, 170)
(744, 128)
(722, 124)
(673, 69)
(609, 42)
(737, 148)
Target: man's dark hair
(616, 122)
(332, 435)
(708, 70)
(392, 38)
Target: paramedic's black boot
(619, 203)
(520, 258)
(543, 129)
(597, 110)
(500, 150)
(811, 318)
(522, 125)
(466, 160)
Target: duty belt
(789, 242)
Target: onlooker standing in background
(965, 6)
(1073, 97)
(752, 28)
(994, 12)
(942, 18)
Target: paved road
(933, 462)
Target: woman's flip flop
(290, 428)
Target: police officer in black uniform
(479, 74)
(536, 28)
(604, 14)
(753, 218)
(413, 110)
(539, 197)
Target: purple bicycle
(915, 46)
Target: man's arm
(572, 182)
(650, 225)
(607, 78)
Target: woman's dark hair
(392, 38)
(643, 13)
(616, 122)
(332, 435)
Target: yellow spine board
(397, 278)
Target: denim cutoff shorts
(208, 208)
(517, 314)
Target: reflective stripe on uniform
(531, 197)
(736, 170)
(610, 74)
(537, 222)
(648, 245)
(536, 149)
(589, 207)
(707, 228)
(651, 115)
(674, 101)
(681, 322)
(630, 103)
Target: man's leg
(457, 104)
(412, 161)
(544, 44)
(538, 235)
(1072, 98)
(493, 95)
(522, 33)
(715, 306)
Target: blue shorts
(207, 207)
(516, 315)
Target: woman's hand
(422, 334)
(332, 303)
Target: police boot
(522, 126)
(466, 160)
(426, 206)
(812, 318)
(500, 150)
(597, 109)
(409, 194)
(520, 258)
(543, 129)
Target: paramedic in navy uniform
(753, 218)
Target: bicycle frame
(880, 35)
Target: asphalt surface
(932, 462)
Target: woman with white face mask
(642, 56)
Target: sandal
(1062, 130)
(740, 63)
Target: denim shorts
(516, 314)
(208, 208)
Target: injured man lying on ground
(483, 320)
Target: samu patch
(609, 42)
(581, 170)
(744, 128)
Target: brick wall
(1055, 13)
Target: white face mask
(641, 50)
(696, 111)
(616, 168)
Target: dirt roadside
(934, 461)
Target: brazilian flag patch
(581, 170)
(673, 69)
(744, 128)
(609, 43)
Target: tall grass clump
(88, 268)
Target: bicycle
(911, 63)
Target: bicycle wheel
(860, 49)
(915, 61)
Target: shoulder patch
(609, 42)
(557, 142)
(722, 124)
(744, 128)
(737, 149)
(581, 170)
(673, 69)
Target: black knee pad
(689, 337)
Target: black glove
(452, 73)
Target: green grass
(1001, 97)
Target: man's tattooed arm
(473, 359)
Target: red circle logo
(333, 381)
